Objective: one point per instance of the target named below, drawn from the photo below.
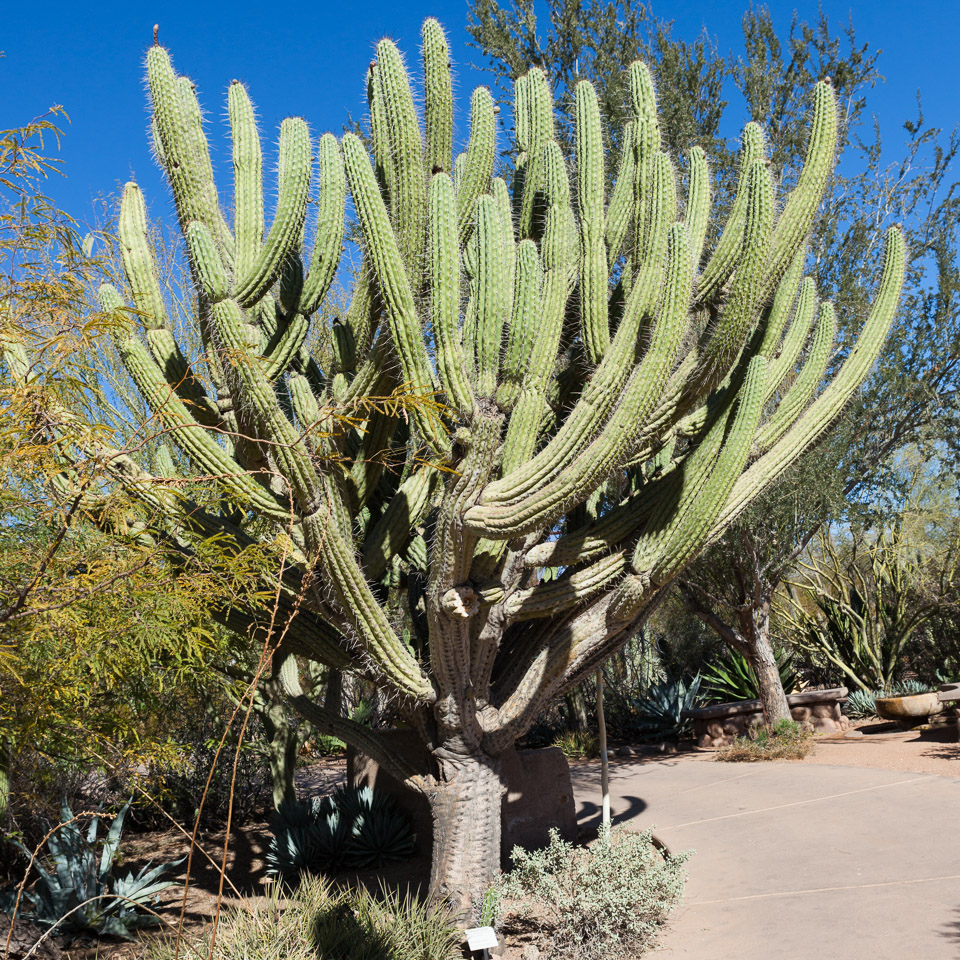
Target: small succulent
(77, 893)
(356, 827)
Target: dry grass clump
(784, 741)
(317, 921)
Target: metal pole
(604, 764)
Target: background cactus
(533, 371)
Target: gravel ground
(886, 747)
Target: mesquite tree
(584, 397)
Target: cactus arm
(501, 194)
(554, 596)
(478, 161)
(796, 337)
(392, 531)
(596, 538)
(286, 232)
(620, 208)
(698, 204)
(490, 297)
(601, 391)
(182, 147)
(438, 98)
(408, 188)
(503, 517)
(372, 454)
(818, 417)
(139, 266)
(646, 196)
(247, 178)
(728, 336)
(805, 386)
(730, 248)
(207, 265)
(799, 211)
(330, 218)
(537, 130)
(528, 284)
(593, 251)
(444, 286)
(394, 284)
(190, 437)
(708, 480)
(543, 328)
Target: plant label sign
(481, 938)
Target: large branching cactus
(582, 396)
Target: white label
(481, 938)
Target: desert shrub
(180, 784)
(606, 901)
(783, 741)
(319, 922)
(578, 744)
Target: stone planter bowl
(910, 710)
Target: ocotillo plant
(587, 397)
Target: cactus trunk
(465, 804)
(543, 401)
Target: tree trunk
(576, 705)
(466, 808)
(756, 623)
(283, 749)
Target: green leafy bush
(598, 903)
(80, 869)
(353, 828)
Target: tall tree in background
(912, 395)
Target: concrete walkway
(795, 861)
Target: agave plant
(353, 828)
(663, 708)
(79, 895)
(861, 704)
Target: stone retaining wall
(720, 724)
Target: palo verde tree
(558, 346)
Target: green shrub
(578, 744)
(598, 903)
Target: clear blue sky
(310, 60)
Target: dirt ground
(881, 745)
(885, 746)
